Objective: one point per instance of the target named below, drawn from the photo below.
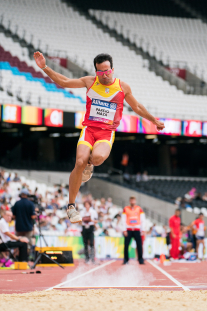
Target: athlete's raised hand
(40, 60)
(160, 125)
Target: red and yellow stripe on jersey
(104, 105)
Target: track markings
(153, 286)
(168, 276)
(82, 274)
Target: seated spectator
(127, 177)
(118, 225)
(138, 177)
(107, 221)
(6, 195)
(109, 203)
(10, 240)
(149, 233)
(16, 178)
(185, 240)
(113, 211)
(8, 178)
(100, 221)
(61, 225)
(178, 201)
(198, 196)
(102, 207)
(154, 232)
(164, 232)
(55, 202)
(104, 233)
(145, 176)
(204, 197)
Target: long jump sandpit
(106, 287)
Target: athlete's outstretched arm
(139, 108)
(57, 77)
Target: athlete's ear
(113, 70)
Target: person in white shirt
(9, 239)
(89, 219)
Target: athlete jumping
(104, 105)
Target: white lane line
(81, 275)
(159, 286)
(169, 276)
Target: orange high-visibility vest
(132, 216)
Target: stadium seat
(177, 42)
(81, 40)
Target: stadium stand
(67, 32)
(177, 42)
(21, 76)
(54, 199)
(200, 6)
(150, 7)
(171, 189)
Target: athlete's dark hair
(100, 58)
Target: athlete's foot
(73, 214)
(87, 173)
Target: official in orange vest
(134, 223)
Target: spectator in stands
(16, 178)
(102, 207)
(174, 224)
(8, 178)
(24, 214)
(118, 225)
(200, 228)
(138, 177)
(113, 211)
(61, 225)
(127, 176)
(2, 174)
(107, 221)
(6, 195)
(10, 240)
(145, 176)
(149, 233)
(164, 232)
(109, 203)
(104, 233)
(204, 196)
(185, 241)
(154, 232)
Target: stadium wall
(120, 195)
(161, 210)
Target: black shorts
(200, 237)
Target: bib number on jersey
(102, 111)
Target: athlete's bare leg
(100, 153)
(75, 180)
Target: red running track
(191, 275)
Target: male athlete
(104, 105)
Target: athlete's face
(201, 217)
(107, 76)
(132, 202)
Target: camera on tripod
(38, 207)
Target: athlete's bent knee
(80, 163)
(97, 160)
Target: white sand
(105, 300)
